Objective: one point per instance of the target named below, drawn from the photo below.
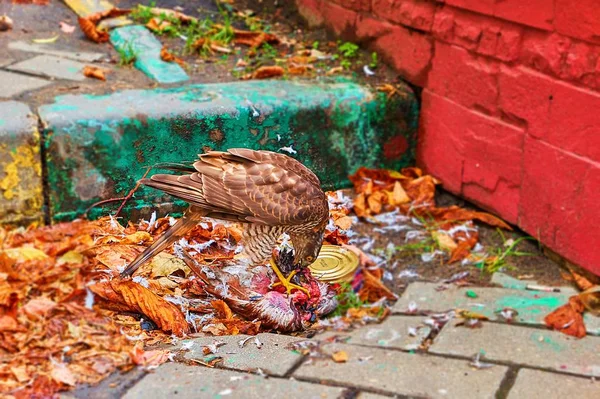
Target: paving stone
(12, 84)
(21, 197)
(522, 345)
(44, 49)
(392, 333)
(51, 66)
(534, 384)
(174, 380)
(532, 306)
(250, 357)
(402, 373)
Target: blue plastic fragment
(136, 40)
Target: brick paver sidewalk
(521, 359)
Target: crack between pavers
(507, 383)
(510, 364)
(540, 327)
(130, 384)
(338, 384)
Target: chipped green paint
(530, 306)
(139, 42)
(98, 146)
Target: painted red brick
(417, 14)
(356, 5)
(480, 6)
(578, 18)
(545, 52)
(409, 52)
(341, 20)
(468, 79)
(438, 149)
(483, 34)
(556, 112)
(473, 154)
(559, 202)
(310, 10)
(536, 13)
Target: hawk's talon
(286, 281)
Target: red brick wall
(511, 102)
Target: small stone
(51, 66)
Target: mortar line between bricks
(295, 366)
(507, 364)
(507, 382)
(359, 388)
(515, 324)
(133, 382)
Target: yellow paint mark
(83, 8)
(22, 172)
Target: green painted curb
(21, 199)
(137, 41)
(97, 147)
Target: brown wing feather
(254, 186)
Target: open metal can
(334, 264)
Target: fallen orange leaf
(568, 318)
(265, 72)
(339, 357)
(137, 298)
(94, 72)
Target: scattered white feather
(257, 342)
(278, 138)
(408, 273)
(141, 281)
(226, 392)
(187, 345)
(89, 298)
(255, 113)
(368, 71)
(152, 221)
(289, 150)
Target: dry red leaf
(253, 39)
(265, 72)
(90, 31)
(140, 299)
(89, 24)
(373, 289)
(568, 318)
(94, 72)
(463, 249)
(166, 56)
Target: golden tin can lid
(334, 264)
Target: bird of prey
(269, 193)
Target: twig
(100, 203)
(125, 199)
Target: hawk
(269, 193)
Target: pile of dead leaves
(61, 306)
(412, 193)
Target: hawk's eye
(310, 258)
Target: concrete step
(97, 147)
